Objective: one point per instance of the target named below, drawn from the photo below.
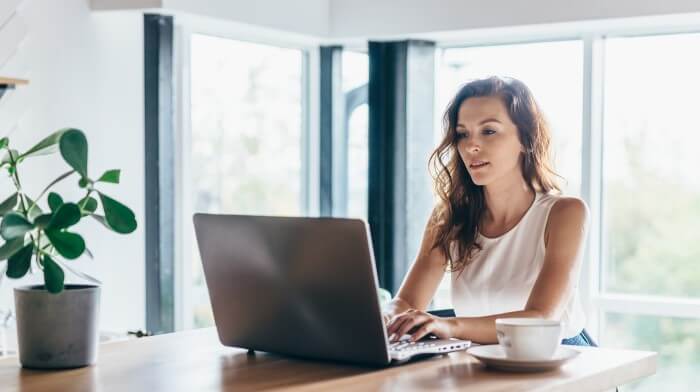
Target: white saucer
(493, 356)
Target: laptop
(304, 287)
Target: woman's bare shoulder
(568, 210)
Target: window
(557, 85)
(358, 161)
(247, 135)
(675, 339)
(651, 200)
(355, 71)
(651, 137)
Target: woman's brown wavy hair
(457, 216)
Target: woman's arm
(564, 241)
(422, 279)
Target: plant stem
(22, 200)
(85, 199)
(18, 185)
(54, 182)
(38, 250)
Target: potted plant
(56, 322)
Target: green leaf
(53, 275)
(74, 149)
(9, 204)
(88, 204)
(119, 217)
(55, 201)
(10, 247)
(69, 245)
(110, 176)
(67, 215)
(14, 225)
(4, 142)
(45, 143)
(43, 220)
(18, 264)
(100, 219)
(46, 151)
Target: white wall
(301, 16)
(346, 19)
(310, 17)
(378, 18)
(86, 71)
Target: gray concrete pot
(57, 331)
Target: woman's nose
(473, 146)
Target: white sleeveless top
(500, 276)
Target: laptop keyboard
(405, 348)
(409, 346)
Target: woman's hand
(395, 307)
(419, 324)
(387, 318)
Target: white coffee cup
(528, 338)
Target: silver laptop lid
(298, 286)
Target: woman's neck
(506, 205)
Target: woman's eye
(489, 131)
(461, 135)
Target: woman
(513, 246)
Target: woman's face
(488, 141)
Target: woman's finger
(415, 321)
(422, 331)
(397, 322)
(397, 318)
(386, 318)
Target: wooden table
(196, 361)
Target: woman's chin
(479, 180)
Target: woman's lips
(477, 166)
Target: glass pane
(355, 69)
(246, 135)
(676, 340)
(651, 184)
(355, 74)
(358, 161)
(556, 85)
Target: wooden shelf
(12, 81)
(9, 84)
